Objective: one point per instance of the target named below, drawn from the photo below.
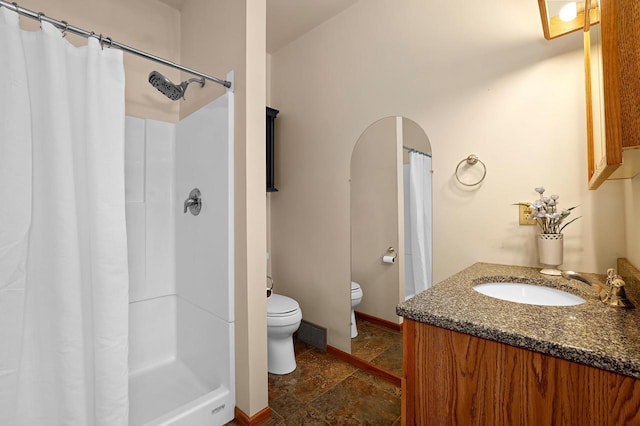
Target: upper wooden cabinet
(612, 76)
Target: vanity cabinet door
(454, 378)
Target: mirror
(391, 219)
(560, 17)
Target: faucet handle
(194, 202)
(188, 203)
(613, 279)
(617, 282)
(615, 295)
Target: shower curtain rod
(415, 150)
(105, 41)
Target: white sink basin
(528, 294)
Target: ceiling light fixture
(560, 17)
(568, 12)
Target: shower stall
(181, 335)
(116, 302)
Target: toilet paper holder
(390, 257)
(269, 289)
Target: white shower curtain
(63, 252)
(420, 216)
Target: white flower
(537, 204)
(546, 214)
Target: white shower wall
(149, 189)
(204, 267)
(181, 268)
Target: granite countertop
(590, 333)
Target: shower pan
(181, 340)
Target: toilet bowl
(356, 298)
(283, 319)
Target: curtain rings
(40, 15)
(102, 39)
(471, 160)
(64, 30)
(99, 37)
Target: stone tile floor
(378, 345)
(324, 390)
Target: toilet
(356, 298)
(283, 319)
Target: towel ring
(472, 160)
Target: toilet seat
(281, 306)
(283, 319)
(356, 293)
(356, 298)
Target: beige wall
(268, 206)
(414, 137)
(213, 40)
(478, 78)
(214, 37)
(632, 213)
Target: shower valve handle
(194, 202)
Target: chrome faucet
(612, 295)
(573, 275)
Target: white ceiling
(289, 19)
(176, 4)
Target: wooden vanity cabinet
(457, 379)
(612, 67)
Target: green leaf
(569, 222)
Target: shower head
(170, 90)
